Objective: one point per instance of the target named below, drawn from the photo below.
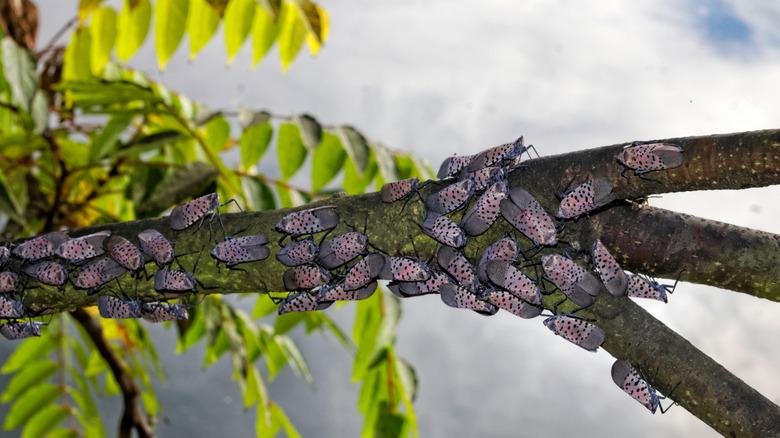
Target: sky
(456, 76)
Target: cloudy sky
(455, 76)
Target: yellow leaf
(86, 7)
(238, 22)
(103, 34)
(201, 25)
(134, 19)
(313, 42)
(76, 65)
(291, 35)
(264, 32)
(169, 26)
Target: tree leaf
(354, 182)
(33, 373)
(170, 20)
(239, 15)
(29, 403)
(27, 352)
(278, 416)
(327, 161)
(292, 152)
(19, 73)
(355, 145)
(384, 159)
(313, 41)
(86, 7)
(260, 195)
(107, 139)
(76, 65)
(264, 32)
(44, 421)
(311, 131)
(39, 111)
(311, 19)
(263, 307)
(291, 34)
(254, 142)
(273, 7)
(103, 26)
(201, 25)
(134, 19)
(217, 133)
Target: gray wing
(602, 192)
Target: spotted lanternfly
(174, 280)
(156, 246)
(511, 279)
(450, 198)
(576, 283)
(405, 269)
(364, 271)
(82, 248)
(20, 329)
(10, 308)
(485, 211)
(47, 272)
(457, 296)
(405, 289)
(644, 158)
(443, 230)
(502, 250)
(9, 281)
(529, 217)
(302, 302)
(511, 303)
(314, 220)
(114, 308)
(235, 250)
(586, 197)
(298, 253)
(125, 253)
(398, 190)
(341, 249)
(40, 247)
(631, 381)
(484, 178)
(159, 312)
(5, 253)
(497, 155)
(457, 265)
(184, 215)
(452, 166)
(98, 273)
(612, 275)
(576, 330)
(305, 277)
(641, 287)
(336, 292)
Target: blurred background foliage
(84, 139)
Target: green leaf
(134, 19)
(65, 433)
(27, 352)
(201, 25)
(256, 392)
(263, 307)
(86, 7)
(9, 202)
(355, 182)
(217, 131)
(29, 403)
(404, 166)
(194, 333)
(254, 141)
(103, 28)
(239, 15)
(151, 404)
(107, 139)
(170, 21)
(384, 159)
(44, 421)
(40, 112)
(292, 152)
(20, 73)
(311, 131)
(260, 195)
(355, 145)
(291, 34)
(264, 32)
(76, 65)
(327, 161)
(311, 18)
(32, 374)
(278, 416)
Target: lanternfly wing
(576, 330)
(125, 253)
(585, 198)
(10, 308)
(483, 178)
(305, 277)
(98, 273)
(503, 250)
(640, 287)
(462, 298)
(235, 250)
(511, 303)
(40, 247)
(159, 312)
(485, 211)
(20, 329)
(612, 275)
(313, 220)
(47, 272)
(450, 198)
(525, 213)
(577, 284)
(156, 246)
(174, 280)
(652, 156)
(364, 271)
(184, 215)
(336, 292)
(507, 277)
(404, 269)
(341, 249)
(627, 378)
(443, 230)
(114, 308)
(82, 248)
(452, 166)
(497, 155)
(298, 253)
(302, 302)
(405, 289)
(9, 281)
(457, 265)
(398, 190)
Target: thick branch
(664, 243)
(132, 415)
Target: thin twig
(68, 24)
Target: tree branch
(132, 415)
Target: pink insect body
(184, 215)
(336, 292)
(612, 275)
(484, 178)
(298, 253)
(398, 190)
(405, 269)
(302, 302)
(364, 271)
(450, 198)
(47, 272)
(529, 217)
(643, 158)
(305, 277)
(174, 280)
(40, 247)
(452, 166)
(156, 246)
(114, 308)
(511, 303)
(641, 287)
(10, 308)
(576, 330)
(309, 221)
(98, 273)
(627, 378)
(497, 155)
(125, 253)
(502, 250)
(243, 249)
(432, 285)
(457, 265)
(459, 297)
(485, 211)
(585, 198)
(342, 249)
(82, 248)
(511, 279)
(577, 284)
(159, 312)
(443, 230)
(9, 281)
(20, 329)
